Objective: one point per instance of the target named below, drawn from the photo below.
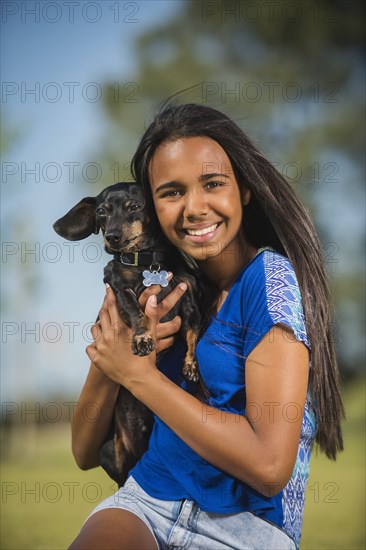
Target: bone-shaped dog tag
(155, 278)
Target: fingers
(96, 331)
(171, 299)
(162, 345)
(165, 330)
(110, 323)
(151, 312)
(152, 290)
(91, 352)
(165, 333)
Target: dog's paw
(143, 344)
(190, 370)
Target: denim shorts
(181, 524)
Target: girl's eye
(173, 193)
(213, 184)
(101, 213)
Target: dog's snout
(113, 237)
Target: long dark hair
(274, 217)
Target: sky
(55, 56)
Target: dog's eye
(134, 207)
(101, 212)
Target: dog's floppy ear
(79, 222)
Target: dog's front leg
(130, 311)
(129, 308)
(191, 319)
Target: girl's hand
(165, 332)
(111, 351)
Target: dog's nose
(113, 238)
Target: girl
(227, 466)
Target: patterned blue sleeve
(272, 296)
(283, 295)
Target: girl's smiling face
(197, 198)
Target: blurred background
(80, 83)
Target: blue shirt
(264, 294)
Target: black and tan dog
(142, 257)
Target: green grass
(46, 498)
(335, 499)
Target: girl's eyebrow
(210, 175)
(203, 177)
(168, 185)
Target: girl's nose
(195, 205)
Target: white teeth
(202, 231)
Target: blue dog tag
(155, 278)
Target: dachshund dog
(141, 257)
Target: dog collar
(142, 258)
(152, 276)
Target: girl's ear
(246, 197)
(79, 222)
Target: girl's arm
(95, 409)
(92, 417)
(260, 448)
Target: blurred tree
(21, 282)
(8, 136)
(290, 74)
(15, 229)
